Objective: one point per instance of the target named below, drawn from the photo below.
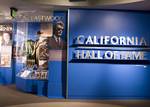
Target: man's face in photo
(59, 30)
(6, 37)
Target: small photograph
(5, 61)
(5, 57)
(57, 43)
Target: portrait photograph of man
(6, 39)
(56, 41)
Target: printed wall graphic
(33, 50)
(40, 55)
(5, 45)
(42, 42)
(37, 50)
(57, 44)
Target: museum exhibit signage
(110, 49)
(38, 18)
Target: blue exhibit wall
(6, 77)
(101, 80)
(58, 68)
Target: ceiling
(45, 6)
